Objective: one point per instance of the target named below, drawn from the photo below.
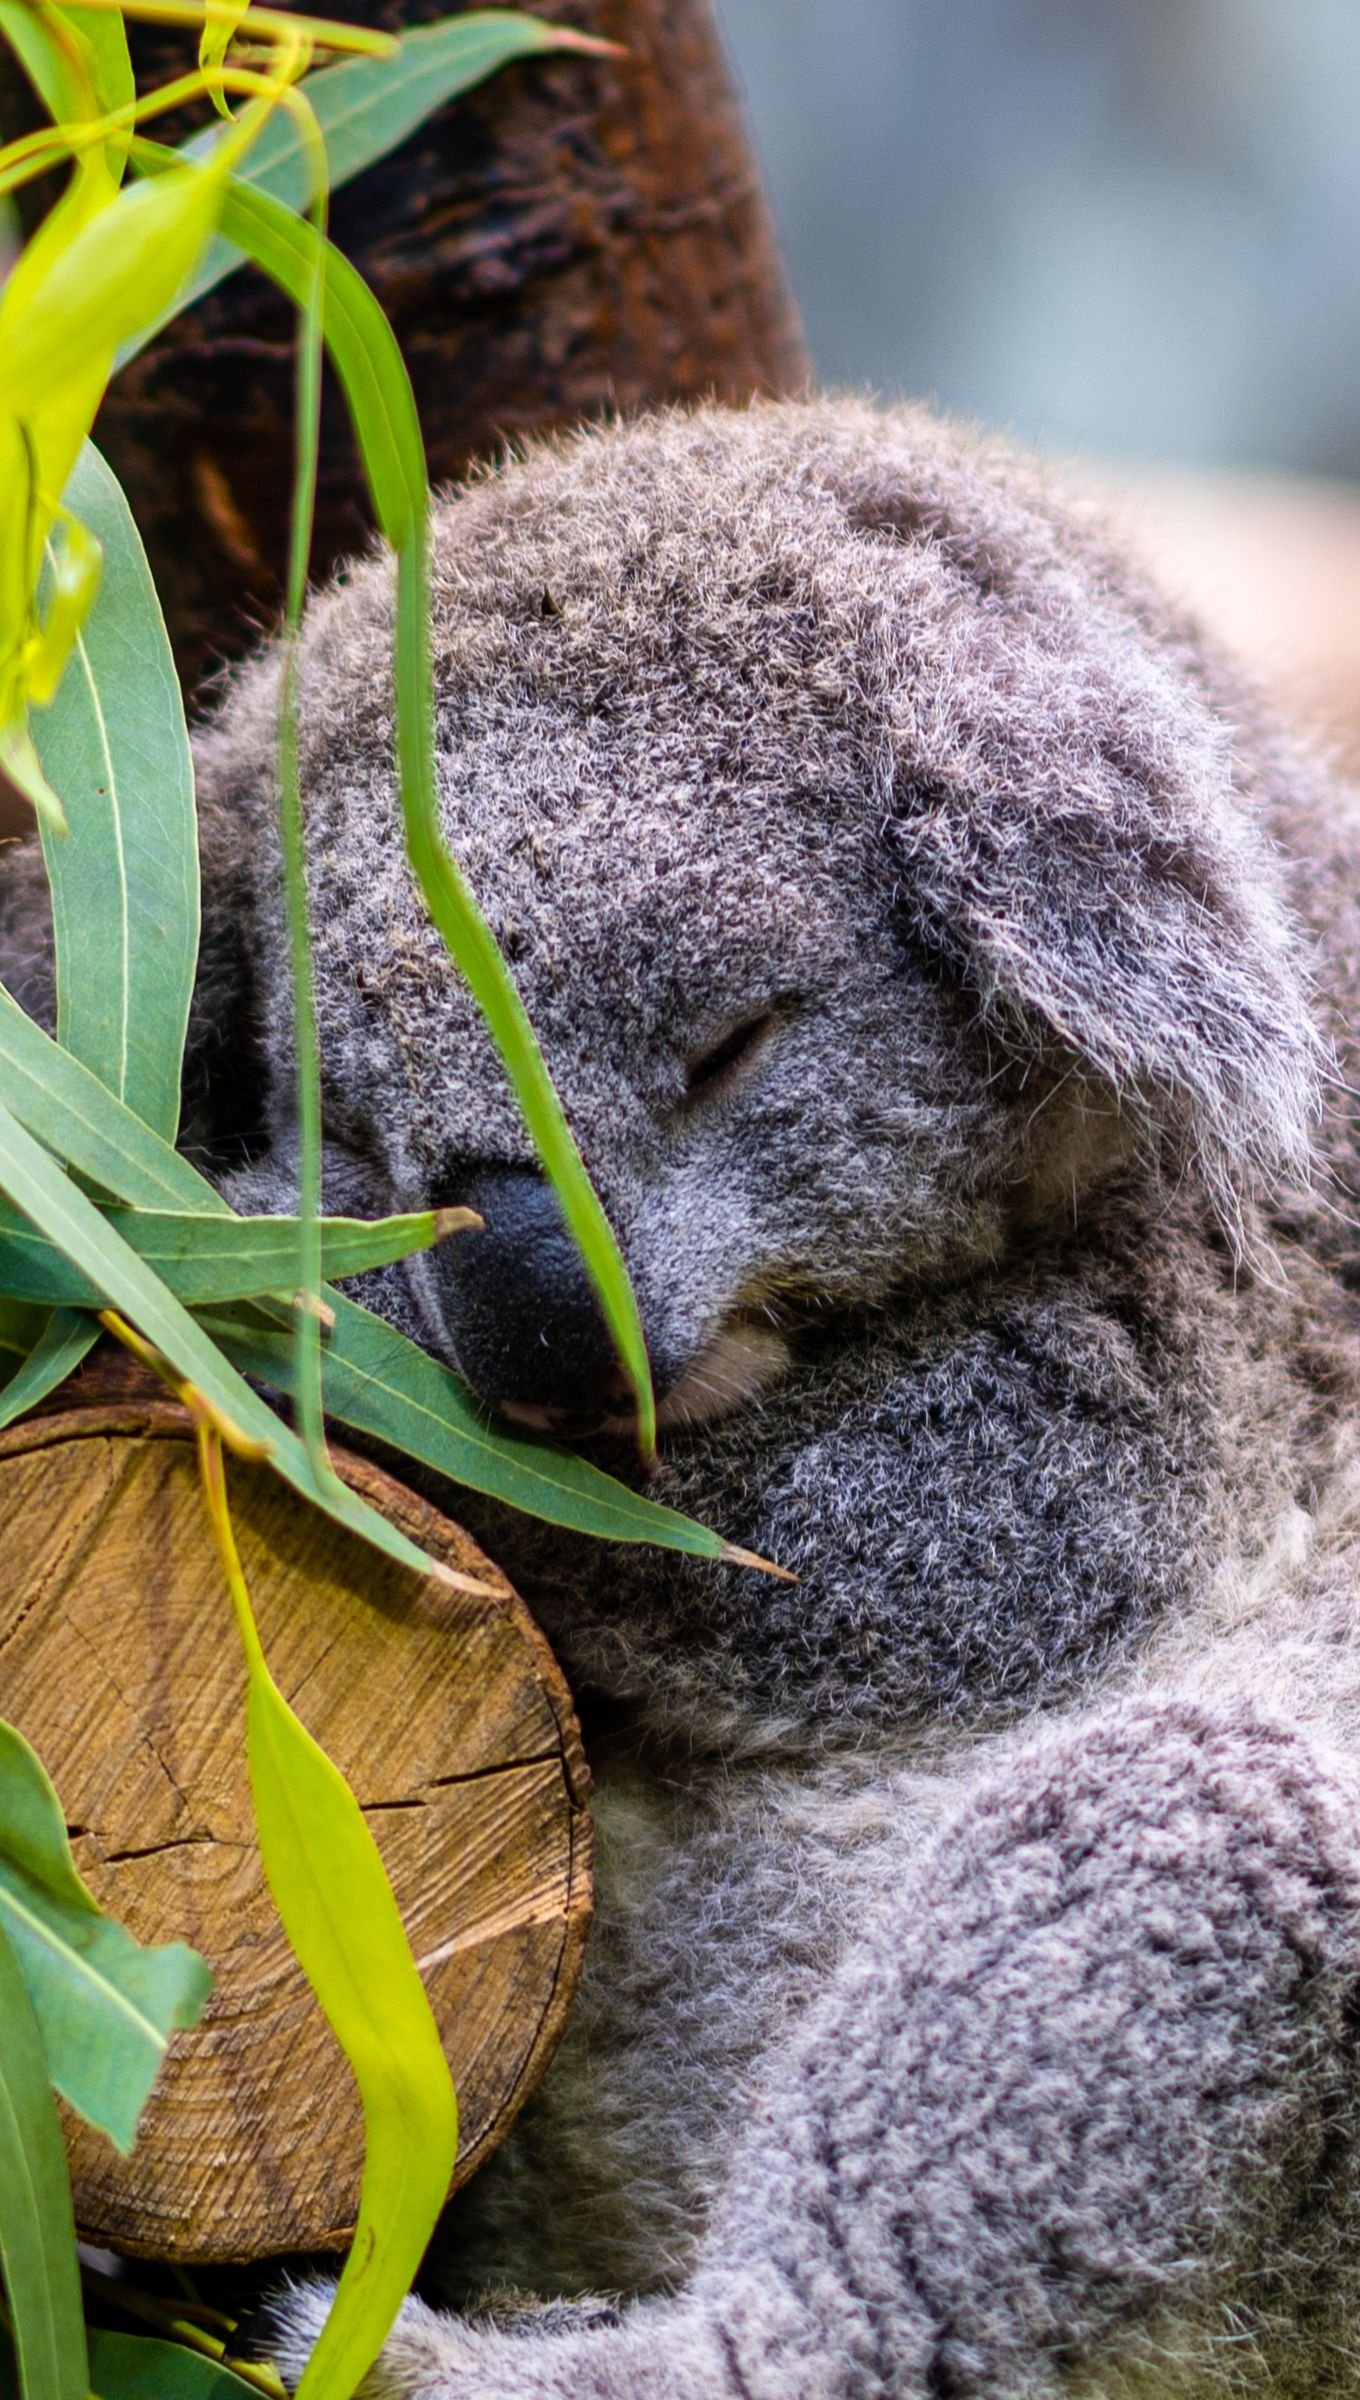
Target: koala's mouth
(742, 1360)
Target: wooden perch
(120, 1662)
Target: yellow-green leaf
(219, 32)
(337, 1908)
(102, 261)
(124, 877)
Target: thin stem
(203, 1410)
(311, 1419)
(324, 33)
(213, 1473)
(148, 2310)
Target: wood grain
(119, 1660)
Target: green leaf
(219, 32)
(365, 107)
(101, 262)
(136, 2366)
(362, 347)
(106, 2006)
(208, 1261)
(374, 1379)
(339, 1914)
(124, 878)
(49, 1353)
(344, 1926)
(337, 1908)
(109, 61)
(20, 1327)
(37, 2227)
(377, 1381)
(64, 314)
(450, 901)
(49, 1199)
(43, 57)
(81, 1121)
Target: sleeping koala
(974, 2002)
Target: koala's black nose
(521, 1315)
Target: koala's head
(871, 858)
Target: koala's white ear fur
(1072, 831)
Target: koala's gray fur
(974, 2007)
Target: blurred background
(1126, 231)
(1126, 227)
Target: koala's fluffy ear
(1078, 830)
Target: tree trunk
(446, 1713)
(580, 234)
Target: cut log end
(445, 1711)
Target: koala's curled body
(890, 877)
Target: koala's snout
(521, 1317)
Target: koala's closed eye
(713, 1068)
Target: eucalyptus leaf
(337, 1908)
(35, 38)
(70, 302)
(115, 748)
(137, 2366)
(106, 2005)
(80, 1120)
(37, 1186)
(208, 1261)
(104, 35)
(365, 108)
(37, 2226)
(20, 1327)
(51, 1352)
(378, 1382)
(63, 51)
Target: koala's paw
(421, 2358)
(557, 2350)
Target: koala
(949, 973)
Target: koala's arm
(1082, 2103)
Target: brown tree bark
(581, 234)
